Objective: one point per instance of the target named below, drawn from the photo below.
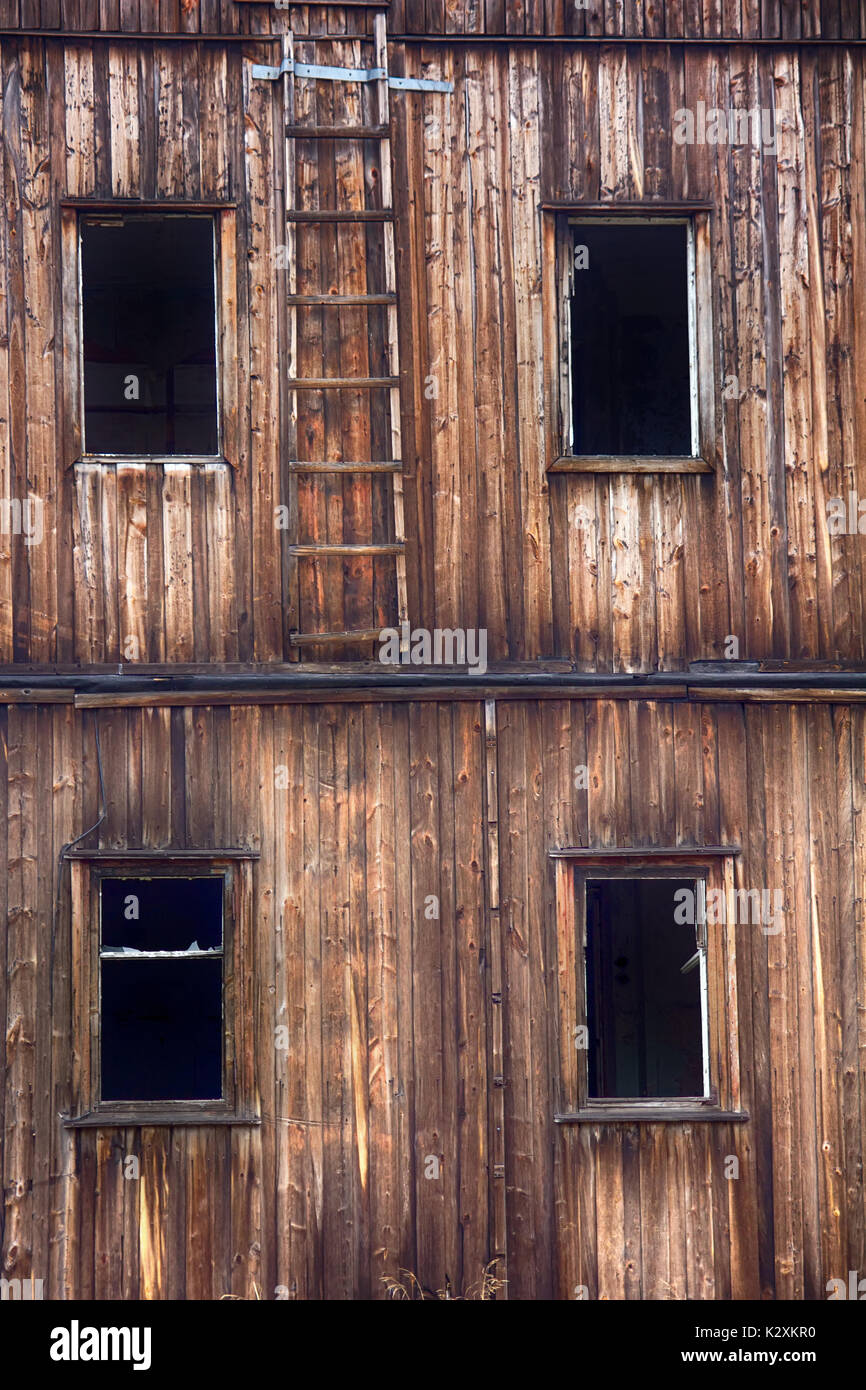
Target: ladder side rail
(290, 366)
(384, 116)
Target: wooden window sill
(162, 460)
(638, 1114)
(133, 1119)
(628, 463)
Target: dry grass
(407, 1287)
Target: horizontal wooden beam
(342, 383)
(29, 696)
(332, 215)
(329, 300)
(645, 852)
(363, 695)
(817, 696)
(338, 132)
(609, 41)
(154, 856)
(638, 1114)
(427, 40)
(311, 639)
(147, 205)
(604, 463)
(133, 1119)
(148, 36)
(384, 466)
(395, 548)
(645, 207)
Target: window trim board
(238, 1102)
(716, 866)
(74, 212)
(698, 874)
(558, 222)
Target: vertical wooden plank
(108, 1250)
(427, 1011)
(845, 727)
(841, 130)
(20, 1025)
(536, 559)
(66, 813)
(855, 1016)
(169, 119)
(40, 337)
(781, 953)
(124, 122)
(177, 561)
(132, 560)
(822, 1041)
(79, 122)
(313, 1004)
(263, 461)
(388, 1160)
(289, 1103)
(467, 1087)
(742, 1194)
(803, 345)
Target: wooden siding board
(826, 954)
(455, 840)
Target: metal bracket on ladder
(327, 74)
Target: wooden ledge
(628, 463)
(664, 1114)
(98, 1119)
(121, 205)
(162, 856)
(645, 852)
(151, 460)
(645, 207)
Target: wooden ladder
(380, 131)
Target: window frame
(714, 866)
(558, 238)
(74, 214)
(88, 871)
(698, 876)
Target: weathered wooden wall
(389, 1013)
(624, 572)
(746, 19)
(615, 573)
(689, 19)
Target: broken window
(646, 985)
(149, 336)
(161, 988)
(632, 338)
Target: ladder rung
(392, 466)
(339, 132)
(342, 383)
(327, 299)
(395, 548)
(367, 634)
(329, 215)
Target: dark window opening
(161, 959)
(148, 323)
(643, 976)
(630, 351)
